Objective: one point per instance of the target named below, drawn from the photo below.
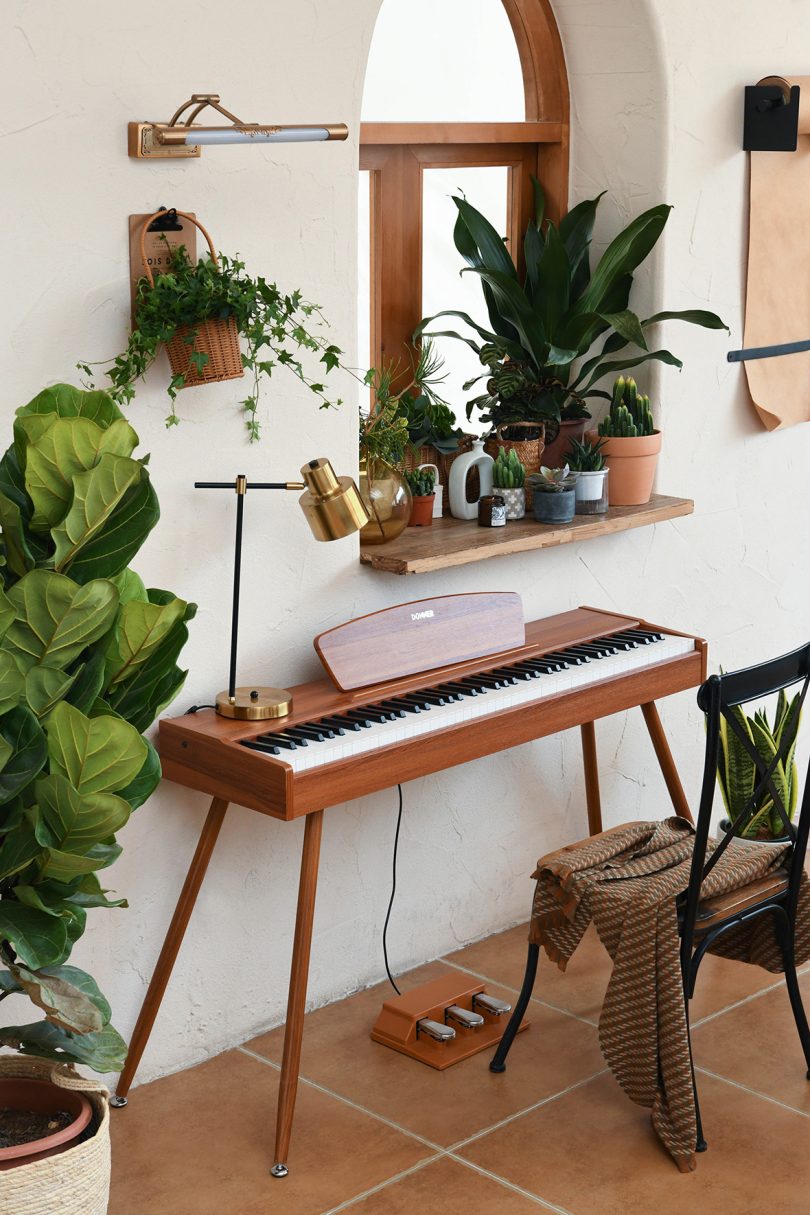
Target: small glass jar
(491, 511)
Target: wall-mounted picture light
(176, 139)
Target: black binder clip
(167, 221)
(771, 118)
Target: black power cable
(393, 893)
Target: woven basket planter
(528, 451)
(75, 1182)
(219, 339)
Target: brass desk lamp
(333, 509)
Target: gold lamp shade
(332, 505)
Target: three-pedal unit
(442, 1022)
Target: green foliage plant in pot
(554, 494)
(174, 309)
(508, 478)
(537, 352)
(738, 776)
(422, 484)
(88, 658)
(630, 444)
(591, 490)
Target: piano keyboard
(357, 731)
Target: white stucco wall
(657, 114)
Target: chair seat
(713, 911)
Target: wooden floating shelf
(449, 542)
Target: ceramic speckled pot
(515, 500)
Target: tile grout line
(383, 1185)
(454, 1147)
(362, 1109)
(509, 1185)
(506, 987)
(752, 1091)
(756, 995)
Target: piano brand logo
(422, 615)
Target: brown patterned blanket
(626, 880)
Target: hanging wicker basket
(219, 339)
(528, 449)
(75, 1182)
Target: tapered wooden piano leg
(591, 764)
(667, 763)
(171, 947)
(296, 1001)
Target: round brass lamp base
(255, 704)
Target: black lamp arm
(240, 488)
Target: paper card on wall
(158, 246)
(777, 308)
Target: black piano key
(400, 706)
(645, 636)
(511, 677)
(563, 656)
(361, 717)
(597, 648)
(622, 643)
(545, 668)
(298, 736)
(518, 673)
(433, 697)
(578, 652)
(256, 744)
(389, 713)
(374, 713)
(532, 672)
(341, 723)
(461, 689)
(312, 732)
(281, 740)
(490, 681)
(416, 698)
(632, 642)
(476, 684)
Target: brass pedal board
(443, 1022)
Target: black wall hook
(771, 122)
(167, 222)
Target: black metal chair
(701, 923)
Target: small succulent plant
(630, 414)
(508, 472)
(552, 480)
(421, 482)
(586, 457)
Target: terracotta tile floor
(378, 1134)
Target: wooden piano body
(203, 751)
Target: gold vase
(387, 499)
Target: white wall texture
(656, 101)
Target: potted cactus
(509, 477)
(631, 446)
(591, 492)
(554, 494)
(422, 484)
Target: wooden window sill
(449, 542)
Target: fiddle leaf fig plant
(88, 658)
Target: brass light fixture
(333, 509)
(175, 139)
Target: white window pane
(443, 61)
(364, 356)
(442, 285)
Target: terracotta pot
(632, 464)
(422, 511)
(557, 450)
(43, 1098)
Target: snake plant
(88, 658)
(738, 775)
(545, 322)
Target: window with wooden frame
(412, 166)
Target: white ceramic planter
(723, 826)
(591, 491)
(460, 508)
(515, 500)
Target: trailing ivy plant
(276, 327)
(88, 658)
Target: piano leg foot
(279, 1170)
(118, 1103)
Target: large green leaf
(139, 630)
(129, 586)
(56, 619)
(12, 682)
(89, 680)
(22, 732)
(65, 401)
(154, 685)
(147, 780)
(623, 255)
(103, 1052)
(627, 325)
(70, 446)
(19, 557)
(552, 293)
(576, 229)
(45, 687)
(19, 848)
(491, 248)
(512, 301)
(106, 554)
(735, 766)
(97, 495)
(98, 754)
(7, 613)
(614, 365)
(68, 997)
(76, 821)
(37, 939)
(692, 316)
(64, 866)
